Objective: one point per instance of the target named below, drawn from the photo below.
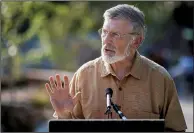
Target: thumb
(76, 97)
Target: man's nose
(107, 39)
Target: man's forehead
(117, 24)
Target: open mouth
(108, 50)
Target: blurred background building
(40, 39)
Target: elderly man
(142, 88)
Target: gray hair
(128, 12)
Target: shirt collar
(136, 69)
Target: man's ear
(136, 41)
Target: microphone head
(109, 91)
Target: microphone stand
(117, 110)
(108, 112)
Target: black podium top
(107, 125)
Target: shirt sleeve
(77, 110)
(172, 111)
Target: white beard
(114, 59)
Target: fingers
(59, 83)
(48, 88)
(52, 83)
(66, 82)
(55, 86)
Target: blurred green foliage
(54, 22)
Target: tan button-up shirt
(146, 92)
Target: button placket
(120, 94)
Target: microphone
(109, 93)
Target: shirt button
(120, 89)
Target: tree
(51, 23)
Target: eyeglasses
(114, 35)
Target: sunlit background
(40, 39)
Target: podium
(107, 125)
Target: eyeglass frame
(120, 36)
